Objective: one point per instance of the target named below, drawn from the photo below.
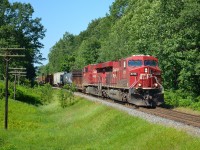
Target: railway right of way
(171, 118)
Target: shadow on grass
(29, 99)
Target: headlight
(139, 84)
(156, 84)
(145, 70)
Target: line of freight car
(57, 79)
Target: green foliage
(168, 30)
(196, 106)
(27, 83)
(70, 87)
(2, 90)
(61, 54)
(45, 92)
(39, 95)
(66, 96)
(18, 28)
(26, 94)
(180, 98)
(36, 96)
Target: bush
(185, 102)
(45, 92)
(36, 96)
(195, 106)
(197, 99)
(70, 87)
(66, 96)
(171, 98)
(180, 98)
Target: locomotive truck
(135, 79)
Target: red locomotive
(136, 79)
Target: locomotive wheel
(124, 97)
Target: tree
(168, 30)
(18, 28)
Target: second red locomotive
(136, 80)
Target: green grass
(84, 125)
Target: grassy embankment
(84, 125)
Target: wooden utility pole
(17, 72)
(7, 54)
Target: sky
(60, 16)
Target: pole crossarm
(17, 68)
(11, 52)
(12, 55)
(7, 49)
(16, 72)
(21, 75)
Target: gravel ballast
(150, 118)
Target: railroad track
(189, 119)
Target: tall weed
(45, 92)
(66, 95)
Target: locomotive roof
(105, 64)
(111, 63)
(142, 57)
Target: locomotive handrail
(159, 83)
(134, 83)
(151, 77)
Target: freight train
(135, 79)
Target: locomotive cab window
(152, 63)
(134, 63)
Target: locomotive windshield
(150, 63)
(134, 63)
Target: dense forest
(169, 30)
(18, 29)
